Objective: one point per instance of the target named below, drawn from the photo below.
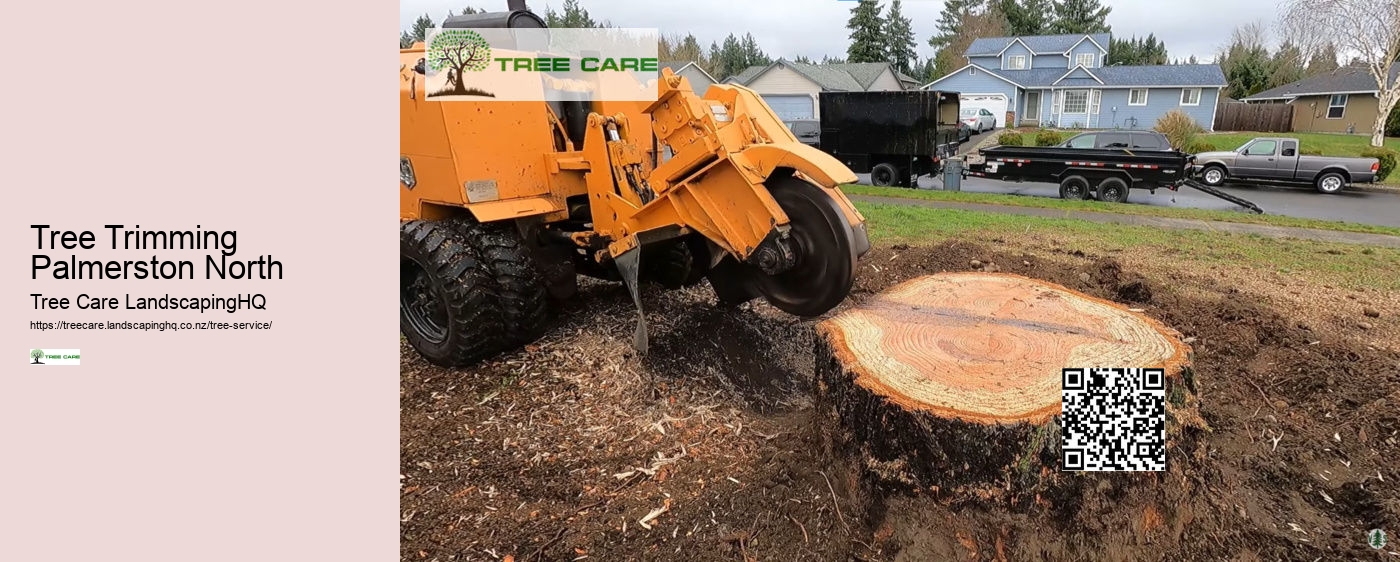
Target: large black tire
(672, 264)
(447, 311)
(1330, 182)
(1214, 175)
(518, 286)
(884, 175)
(1113, 190)
(1074, 188)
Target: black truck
(1105, 173)
(893, 136)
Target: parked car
(1132, 140)
(978, 119)
(1277, 159)
(964, 131)
(809, 131)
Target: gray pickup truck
(1277, 159)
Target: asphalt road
(1365, 207)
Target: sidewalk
(1361, 238)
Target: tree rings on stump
(952, 382)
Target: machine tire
(1330, 182)
(518, 286)
(1215, 171)
(673, 265)
(1074, 187)
(884, 175)
(463, 323)
(1113, 190)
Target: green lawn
(1342, 264)
(1099, 206)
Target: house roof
(1150, 75)
(843, 77)
(1350, 79)
(1038, 44)
(745, 75)
(678, 65)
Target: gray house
(699, 79)
(792, 88)
(1067, 81)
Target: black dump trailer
(1103, 173)
(893, 136)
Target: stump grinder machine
(503, 204)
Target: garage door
(995, 103)
(790, 107)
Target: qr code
(1113, 420)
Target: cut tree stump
(952, 382)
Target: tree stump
(952, 382)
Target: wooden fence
(1262, 117)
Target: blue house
(1067, 81)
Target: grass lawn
(1346, 265)
(1099, 206)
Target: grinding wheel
(821, 239)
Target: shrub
(1387, 157)
(1392, 123)
(1010, 138)
(1048, 138)
(1179, 128)
(1310, 151)
(1198, 146)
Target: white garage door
(790, 107)
(995, 103)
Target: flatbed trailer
(1083, 173)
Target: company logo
(456, 51)
(54, 357)
(1376, 538)
(529, 64)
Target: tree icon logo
(36, 354)
(1376, 538)
(457, 51)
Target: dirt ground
(709, 448)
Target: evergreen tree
(899, 39)
(421, 27)
(950, 20)
(1324, 60)
(1137, 51)
(1286, 66)
(1246, 62)
(867, 42)
(1080, 16)
(753, 55)
(828, 59)
(1026, 17)
(574, 15)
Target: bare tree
(1368, 30)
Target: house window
(1085, 60)
(1017, 62)
(1191, 96)
(1076, 101)
(1137, 96)
(1094, 102)
(1336, 106)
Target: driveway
(1376, 208)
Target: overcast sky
(789, 28)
